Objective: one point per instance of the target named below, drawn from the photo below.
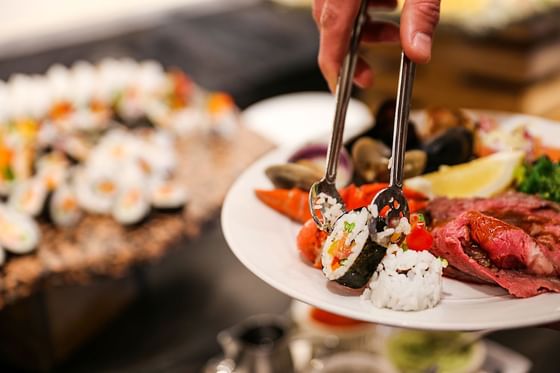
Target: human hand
(335, 19)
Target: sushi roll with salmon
(168, 195)
(95, 194)
(223, 114)
(29, 196)
(349, 256)
(20, 233)
(64, 208)
(52, 169)
(131, 205)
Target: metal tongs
(392, 198)
(323, 195)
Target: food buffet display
(103, 165)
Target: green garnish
(349, 227)
(404, 246)
(421, 218)
(444, 262)
(8, 174)
(542, 178)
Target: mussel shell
(384, 124)
(293, 175)
(314, 155)
(371, 161)
(370, 158)
(453, 147)
(415, 162)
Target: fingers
(317, 9)
(335, 21)
(376, 32)
(419, 19)
(363, 77)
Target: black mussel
(384, 123)
(452, 147)
(383, 129)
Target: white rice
(383, 238)
(330, 209)
(406, 280)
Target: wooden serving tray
(79, 279)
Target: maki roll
(349, 256)
(131, 205)
(167, 195)
(29, 196)
(64, 208)
(95, 194)
(20, 233)
(52, 169)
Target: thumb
(418, 22)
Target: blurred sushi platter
(105, 165)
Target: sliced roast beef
(467, 243)
(538, 218)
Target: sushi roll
(224, 114)
(29, 196)
(52, 169)
(167, 195)
(77, 147)
(95, 194)
(131, 204)
(20, 233)
(158, 156)
(64, 208)
(349, 256)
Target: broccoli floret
(542, 177)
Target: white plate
(299, 117)
(265, 242)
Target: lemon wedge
(483, 177)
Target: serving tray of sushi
(481, 249)
(104, 165)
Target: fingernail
(422, 42)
